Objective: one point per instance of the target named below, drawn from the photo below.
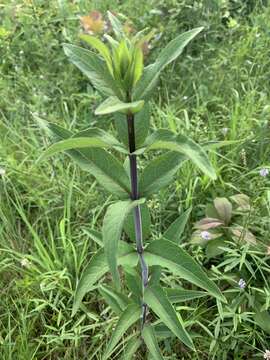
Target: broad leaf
(167, 254)
(149, 337)
(113, 104)
(103, 166)
(160, 172)
(116, 300)
(176, 229)
(165, 139)
(131, 314)
(131, 348)
(242, 200)
(94, 68)
(97, 267)
(157, 300)
(224, 209)
(146, 223)
(182, 295)
(166, 56)
(214, 248)
(96, 138)
(141, 125)
(243, 234)
(208, 223)
(111, 231)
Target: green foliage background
(47, 210)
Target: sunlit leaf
(167, 55)
(113, 104)
(165, 139)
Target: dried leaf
(243, 234)
(93, 23)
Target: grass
(47, 209)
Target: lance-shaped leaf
(149, 337)
(116, 300)
(165, 139)
(97, 44)
(166, 56)
(156, 298)
(181, 295)
(111, 231)
(94, 68)
(116, 25)
(160, 172)
(176, 229)
(141, 125)
(131, 348)
(94, 137)
(97, 267)
(103, 166)
(167, 254)
(146, 223)
(113, 104)
(131, 314)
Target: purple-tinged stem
(137, 210)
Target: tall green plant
(116, 69)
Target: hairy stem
(137, 210)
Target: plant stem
(137, 210)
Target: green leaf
(146, 223)
(113, 104)
(112, 227)
(97, 267)
(160, 172)
(157, 300)
(213, 248)
(224, 209)
(97, 44)
(176, 229)
(94, 68)
(165, 139)
(150, 340)
(141, 124)
(182, 295)
(167, 254)
(96, 138)
(131, 314)
(134, 282)
(131, 348)
(262, 319)
(117, 301)
(108, 171)
(167, 55)
(116, 25)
